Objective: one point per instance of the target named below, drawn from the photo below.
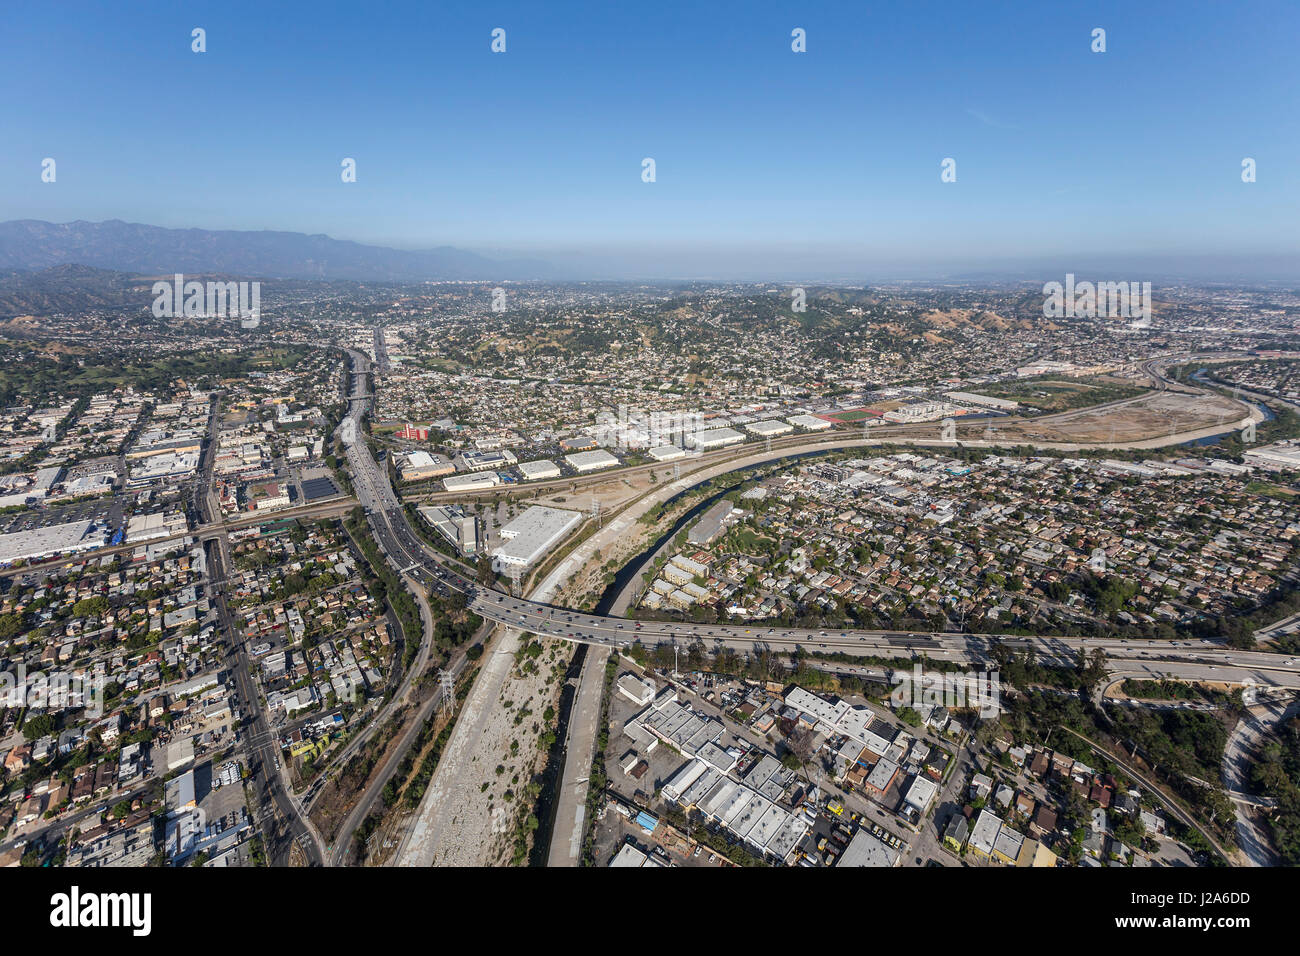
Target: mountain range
(31, 244)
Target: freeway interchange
(1147, 659)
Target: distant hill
(70, 288)
(30, 244)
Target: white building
(531, 535)
(770, 428)
(483, 460)
(919, 412)
(1279, 457)
(421, 464)
(585, 461)
(157, 525)
(667, 453)
(810, 423)
(987, 401)
(477, 482)
(539, 470)
(712, 438)
(921, 794)
(636, 689)
(48, 541)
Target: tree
(42, 725)
(1092, 669)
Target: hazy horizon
(769, 163)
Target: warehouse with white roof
(666, 453)
(532, 535)
(585, 461)
(809, 422)
(472, 482)
(712, 438)
(538, 470)
(770, 428)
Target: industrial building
(1279, 457)
(539, 470)
(173, 466)
(585, 461)
(158, 525)
(987, 401)
(46, 542)
(530, 536)
(421, 464)
(919, 412)
(867, 850)
(485, 460)
(636, 689)
(667, 453)
(712, 438)
(711, 524)
(629, 855)
(750, 810)
(810, 423)
(770, 428)
(450, 521)
(479, 482)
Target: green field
(1054, 394)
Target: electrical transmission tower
(448, 684)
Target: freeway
(408, 555)
(405, 551)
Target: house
(1003, 796)
(955, 833)
(30, 810)
(1151, 822)
(1044, 821)
(1039, 765)
(18, 759)
(1094, 841)
(1062, 765)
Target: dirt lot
(1153, 416)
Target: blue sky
(760, 152)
